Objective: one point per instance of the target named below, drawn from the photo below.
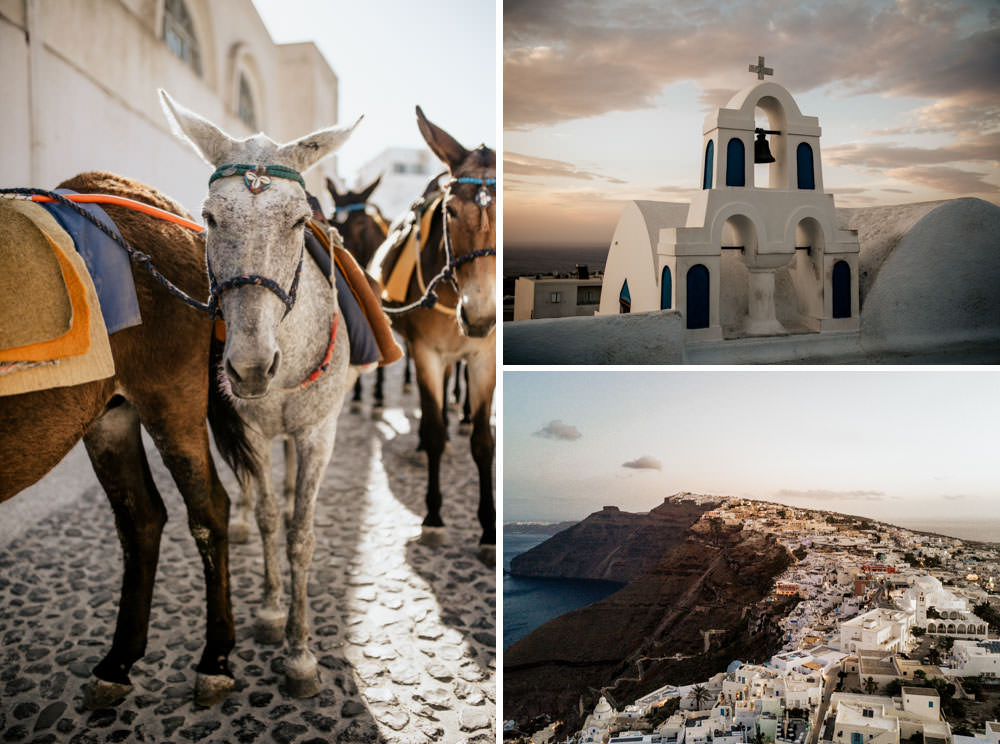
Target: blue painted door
(841, 290)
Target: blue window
(709, 165)
(697, 297)
(666, 289)
(857, 738)
(841, 290)
(804, 158)
(930, 703)
(736, 163)
(625, 299)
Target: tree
(988, 613)
(699, 694)
(920, 674)
(917, 631)
(894, 687)
(870, 685)
(946, 643)
(933, 614)
(934, 656)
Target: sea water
(530, 602)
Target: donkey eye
(209, 219)
(301, 221)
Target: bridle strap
(288, 298)
(259, 177)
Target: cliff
(652, 632)
(611, 544)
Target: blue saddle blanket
(107, 262)
(364, 349)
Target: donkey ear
(446, 147)
(332, 188)
(305, 152)
(371, 187)
(210, 142)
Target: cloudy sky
(885, 444)
(604, 100)
(394, 54)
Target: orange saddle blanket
(52, 333)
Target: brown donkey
(161, 381)
(461, 244)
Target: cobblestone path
(405, 634)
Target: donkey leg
(466, 405)
(356, 398)
(114, 445)
(482, 374)
(379, 392)
(315, 448)
(183, 444)
(239, 529)
(290, 466)
(430, 373)
(269, 626)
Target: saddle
(398, 258)
(52, 332)
(357, 293)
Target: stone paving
(405, 634)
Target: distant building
(869, 719)
(73, 105)
(976, 658)
(876, 630)
(405, 172)
(557, 295)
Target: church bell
(761, 151)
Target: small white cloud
(643, 463)
(558, 430)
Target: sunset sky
(604, 100)
(884, 444)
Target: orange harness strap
(122, 201)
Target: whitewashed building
(80, 81)
(976, 658)
(876, 630)
(556, 296)
(745, 258)
(405, 173)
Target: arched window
(841, 290)
(178, 32)
(706, 182)
(735, 163)
(804, 159)
(245, 107)
(624, 299)
(666, 289)
(697, 297)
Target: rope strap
(137, 257)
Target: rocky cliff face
(653, 631)
(611, 544)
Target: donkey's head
(470, 225)
(254, 220)
(361, 224)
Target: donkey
(462, 245)
(363, 228)
(161, 382)
(285, 364)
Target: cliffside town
(763, 624)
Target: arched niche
(698, 308)
(706, 182)
(841, 288)
(805, 166)
(624, 299)
(736, 171)
(666, 289)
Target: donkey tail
(228, 429)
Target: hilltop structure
(718, 260)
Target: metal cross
(760, 69)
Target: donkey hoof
(269, 628)
(377, 411)
(210, 689)
(487, 554)
(433, 537)
(302, 677)
(407, 387)
(239, 532)
(355, 406)
(102, 694)
(464, 427)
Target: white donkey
(286, 357)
